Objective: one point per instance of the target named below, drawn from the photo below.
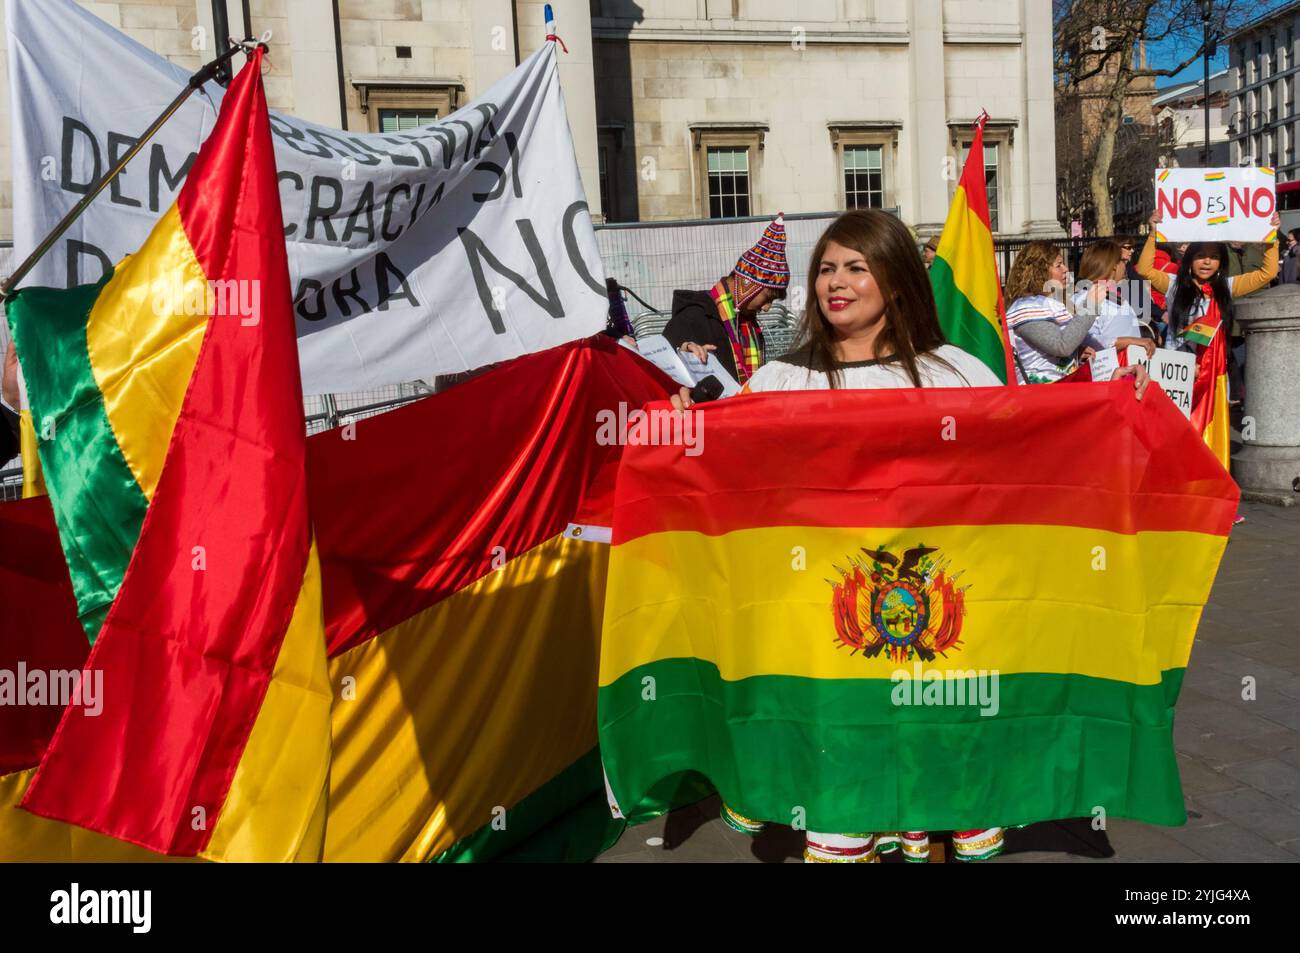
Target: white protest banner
(429, 251)
(1216, 205)
(1174, 371)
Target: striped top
(1041, 368)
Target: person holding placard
(1200, 299)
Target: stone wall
(797, 69)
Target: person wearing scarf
(724, 319)
(1199, 309)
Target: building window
(728, 168)
(727, 159)
(400, 120)
(864, 176)
(603, 159)
(990, 179)
(864, 153)
(1290, 144)
(610, 157)
(392, 107)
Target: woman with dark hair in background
(1202, 287)
(1201, 296)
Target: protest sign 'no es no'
(1216, 205)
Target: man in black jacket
(724, 319)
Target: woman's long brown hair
(911, 319)
(1099, 260)
(1031, 271)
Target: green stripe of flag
(85, 470)
(841, 755)
(567, 819)
(963, 325)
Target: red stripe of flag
(405, 544)
(936, 481)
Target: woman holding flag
(871, 322)
(1200, 294)
(1199, 311)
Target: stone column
(1269, 462)
(1036, 138)
(314, 59)
(926, 126)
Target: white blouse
(964, 371)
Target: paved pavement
(1240, 759)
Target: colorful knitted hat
(764, 265)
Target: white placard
(1104, 363)
(1174, 371)
(412, 254)
(1216, 205)
(713, 367)
(682, 367)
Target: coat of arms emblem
(905, 607)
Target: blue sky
(1161, 58)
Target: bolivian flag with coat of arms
(912, 610)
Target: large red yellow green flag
(465, 595)
(172, 445)
(964, 273)
(963, 617)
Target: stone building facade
(1180, 113)
(1263, 119)
(712, 108)
(680, 109)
